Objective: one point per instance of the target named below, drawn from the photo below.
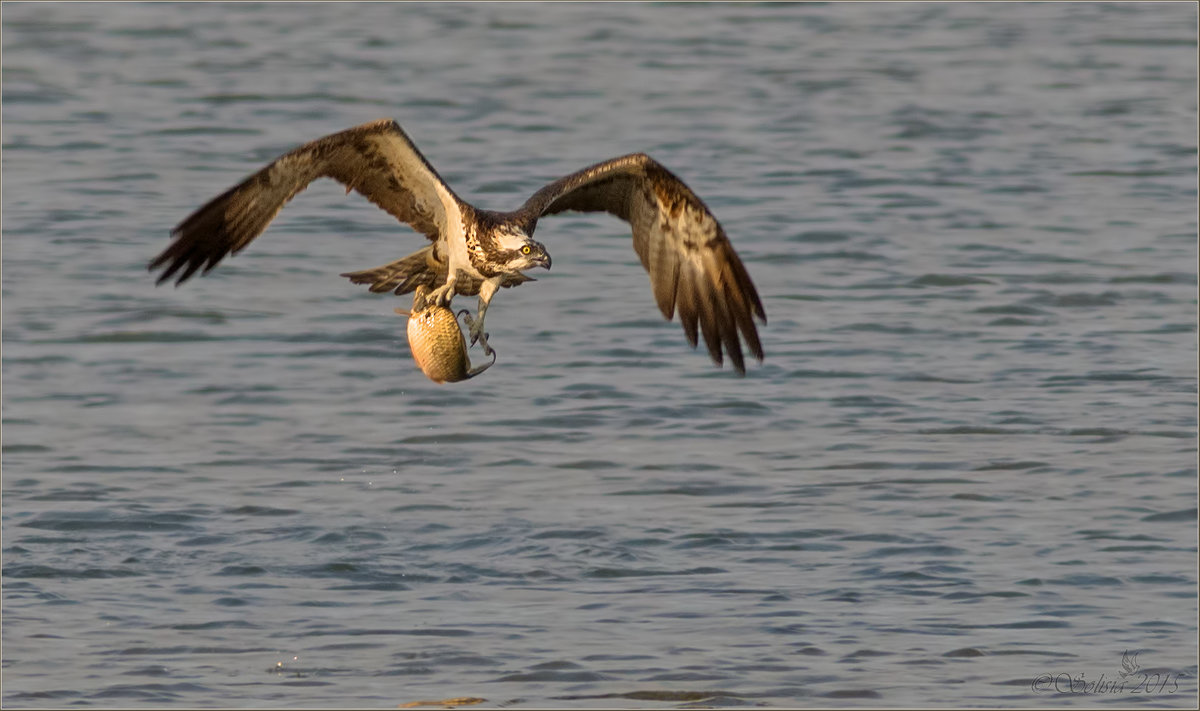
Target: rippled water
(968, 461)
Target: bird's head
(519, 251)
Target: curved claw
(479, 369)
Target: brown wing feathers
(693, 268)
(376, 159)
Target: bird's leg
(488, 350)
(475, 326)
(486, 291)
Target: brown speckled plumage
(693, 268)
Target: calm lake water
(965, 473)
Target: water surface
(968, 461)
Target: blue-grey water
(965, 473)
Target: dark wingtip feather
(735, 351)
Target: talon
(474, 327)
(441, 296)
(479, 369)
(482, 339)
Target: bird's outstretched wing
(693, 267)
(377, 159)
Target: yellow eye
(526, 249)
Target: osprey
(692, 266)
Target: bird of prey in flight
(692, 266)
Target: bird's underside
(693, 268)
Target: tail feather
(403, 275)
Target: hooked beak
(544, 261)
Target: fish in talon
(437, 341)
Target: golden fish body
(437, 342)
